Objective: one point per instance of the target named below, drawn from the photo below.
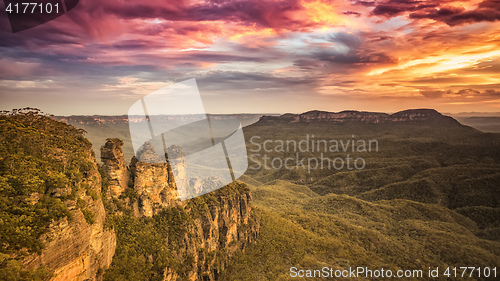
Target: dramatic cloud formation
(258, 55)
(488, 10)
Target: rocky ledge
(411, 115)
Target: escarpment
(222, 224)
(78, 249)
(411, 115)
(185, 240)
(52, 215)
(114, 167)
(154, 187)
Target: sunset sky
(258, 56)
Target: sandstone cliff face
(114, 167)
(54, 215)
(411, 115)
(215, 225)
(215, 236)
(77, 250)
(155, 188)
(81, 247)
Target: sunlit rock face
(78, 249)
(114, 167)
(215, 236)
(154, 187)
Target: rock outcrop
(114, 167)
(80, 248)
(153, 182)
(214, 226)
(411, 115)
(77, 250)
(154, 187)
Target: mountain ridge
(408, 115)
(64, 217)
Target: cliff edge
(51, 215)
(185, 240)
